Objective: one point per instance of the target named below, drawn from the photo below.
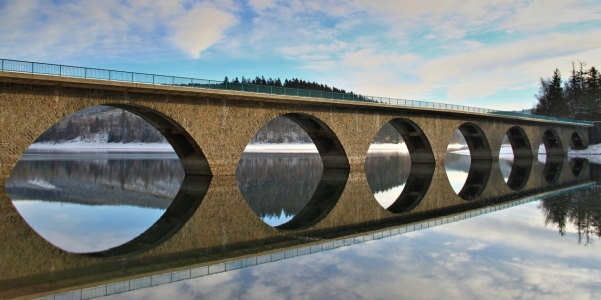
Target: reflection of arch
(422, 166)
(577, 141)
(520, 172)
(327, 193)
(577, 165)
(481, 164)
(519, 142)
(187, 200)
(552, 142)
(552, 169)
(336, 170)
(188, 151)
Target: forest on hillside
(102, 124)
(294, 83)
(578, 97)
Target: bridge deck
(206, 91)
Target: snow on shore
(389, 147)
(592, 153)
(281, 148)
(80, 146)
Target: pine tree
(593, 92)
(577, 104)
(95, 127)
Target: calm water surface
(542, 249)
(89, 202)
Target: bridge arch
(578, 141)
(421, 170)
(188, 198)
(336, 169)
(522, 158)
(193, 160)
(520, 144)
(481, 161)
(552, 142)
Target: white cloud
(200, 27)
(89, 28)
(261, 4)
(514, 65)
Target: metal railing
(113, 75)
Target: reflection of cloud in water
(506, 254)
(457, 167)
(506, 164)
(388, 197)
(83, 228)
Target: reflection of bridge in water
(220, 232)
(210, 223)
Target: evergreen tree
(95, 127)
(593, 93)
(551, 101)
(71, 130)
(578, 107)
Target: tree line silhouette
(578, 97)
(294, 83)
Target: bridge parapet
(8, 65)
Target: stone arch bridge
(209, 130)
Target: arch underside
(522, 153)
(336, 169)
(422, 166)
(481, 161)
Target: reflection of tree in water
(271, 185)
(581, 208)
(386, 170)
(139, 182)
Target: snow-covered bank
(281, 148)
(389, 147)
(591, 150)
(80, 146)
(592, 153)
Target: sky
(488, 54)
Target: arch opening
(293, 171)
(515, 158)
(120, 183)
(578, 141)
(552, 144)
(399, 165)
(468, 161)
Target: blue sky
(480, 53)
